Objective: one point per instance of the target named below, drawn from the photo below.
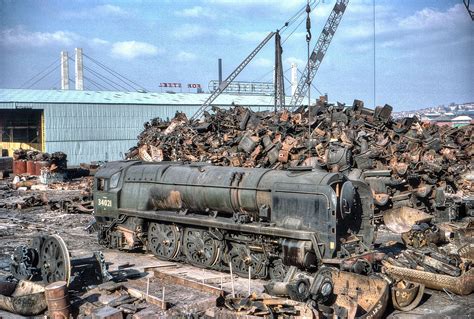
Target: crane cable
(308, 40)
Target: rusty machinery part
(49, 260)
(55, 260)
(423, 235)
(406, 295)
(462, 285)
(277, 270)
(331, 291)
(401, 220)
(164, 240)
(322, 287)
(25, 261)
(215, 208)
(86, 271)
(201, 248)
(27, 300)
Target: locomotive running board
(172, 217)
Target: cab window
(101, 184)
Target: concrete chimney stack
(64, 71)
(294, 78)
(79, 70)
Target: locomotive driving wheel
(164, 240)
(242, 259)
(200, 247)
(55, 261)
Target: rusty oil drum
(30, 167)
(19, 167)
(39, 165)
(58, 300)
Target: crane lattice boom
(318, 52)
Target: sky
(423, 48)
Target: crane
(318, 52)
(230, 78)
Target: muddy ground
(19, 226)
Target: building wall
(99, 132)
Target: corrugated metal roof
(110, 97)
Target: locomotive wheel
(200, 247)
(241, 259)
(164, 240)
(55, 260)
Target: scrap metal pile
(23, 193)
(406, 162)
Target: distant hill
(452, 109)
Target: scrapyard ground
(19, 226)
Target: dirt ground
(19, 226)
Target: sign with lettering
(170, 85)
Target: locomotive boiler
(215, 217)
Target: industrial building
(94, 125)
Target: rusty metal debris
(406, 295)
(461, 285)
(402, 219)
(334, 292)
(264, 306)
(406, 162)
(27, 299)
(26, 192)
(48, 259)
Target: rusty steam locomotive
(214, 217)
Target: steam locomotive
(221, 217)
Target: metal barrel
(58, 300)
(19, 167)
(30, 167)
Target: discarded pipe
(462, 285)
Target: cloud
(132, 49)
(263, 63)
(251, 36)
(429, 18)
(428, 25)
(196, 12)
(188, 31)
(19, 36)
(252, 4)
(101, 11)
(299, 62)
(184, 56)
(99, 42)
